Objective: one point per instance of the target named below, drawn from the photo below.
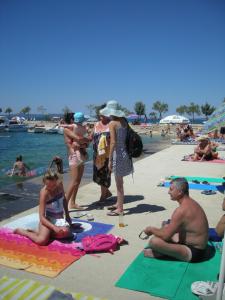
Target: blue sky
(73, 53)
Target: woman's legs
(120, 195)
(40, 237)
(105, 193)
(76, 176)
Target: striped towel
(26, 289)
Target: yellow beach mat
(26, 289)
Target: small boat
(52, 130)
(16, 124)
(39, 129)
(4, 122)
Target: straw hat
(203, 137)
(112, 109)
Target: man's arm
(167, 232)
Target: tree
(182, 109)
(0, 110)
(8, 110)
(160, 107)
(153, 115)
(91, 108)
(139, 108)
(207, 109)
(26, 110)
(193, 109)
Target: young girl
(52, 210)
(76, 143)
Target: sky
(75, 53)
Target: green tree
(8, 111)
(153, 115)
(193, 109)
(139, 108)
(0, 110)
(207, 109)
(182, 109)
(26, 110)
(160, 107)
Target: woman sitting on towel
(203, 151)
(52, 209)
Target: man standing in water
(185, 236)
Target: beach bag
(100, 243)
(133, 143)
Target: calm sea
(37, 150)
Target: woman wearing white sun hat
(119, 161)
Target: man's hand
(148, 231)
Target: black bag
(134, 143)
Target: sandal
(204, 288)
(114, 213)
(112, 207)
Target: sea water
(38, 150)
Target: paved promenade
(145, 204)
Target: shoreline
(23, 192)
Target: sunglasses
(143, 235)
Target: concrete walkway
(145, 204)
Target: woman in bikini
(52, 210)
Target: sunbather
(203, 151)
(52, 208)
(185, 236)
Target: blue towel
(97, 228)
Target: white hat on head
(112, 109)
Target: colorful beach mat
(199, 178)
(87, 228)
(19, 252)
(199, 186)
(166, 278)
(16, 289)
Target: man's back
(194, 229)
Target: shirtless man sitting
(185, 237)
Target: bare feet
(150, 253)
(19, 231)
(73, 206)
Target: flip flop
(204, 288)
(112, 207)
(113, 213)
(208, 192)
(205, 182)
(195, 181)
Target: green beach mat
(190, 178)
(166, 278)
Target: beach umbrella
(132, 116)
(216, 120)
(174, 119)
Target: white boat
(4, 122)
(39, 129)
(17, 125)
(174, 119)
(52, 130)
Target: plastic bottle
(121, 221)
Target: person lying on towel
(185, 236)
(52, 210)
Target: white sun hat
(112, 109)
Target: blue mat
(31, 222)
(97, 228)
(200, 186)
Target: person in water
(19, 167)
